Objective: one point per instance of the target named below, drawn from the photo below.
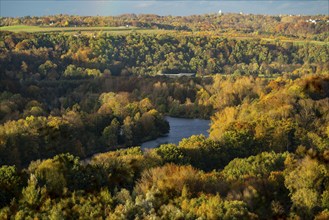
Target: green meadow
(31, 29)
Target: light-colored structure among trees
(179, 75)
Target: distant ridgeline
(312, 27)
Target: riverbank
(180, 128)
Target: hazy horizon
(175, 8)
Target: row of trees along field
(310, 27)
(26, 56)
(266, 157)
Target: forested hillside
(74, 109)
(63, 56)
(267, 157)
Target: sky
(17, 8)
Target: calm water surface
(180, 128)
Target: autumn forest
(76, 105)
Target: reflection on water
(180, 128)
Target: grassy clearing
(297, 41)
(31, 29)
(83, 30)
(290, 40)
(22, 28)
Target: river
(180, 128)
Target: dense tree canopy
(266, 156)
(64, 56)
(73, 108)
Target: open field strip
(127, 30)
(31, 29)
